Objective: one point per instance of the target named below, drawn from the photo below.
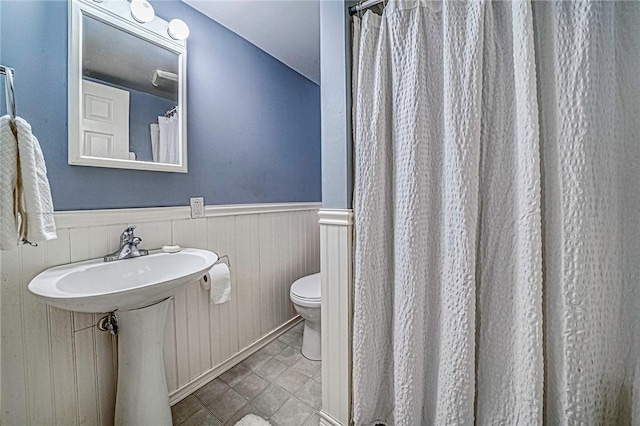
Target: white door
(105, 121)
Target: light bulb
(142, 11)
(178, 29)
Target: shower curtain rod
(362, 6)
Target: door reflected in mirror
(130, 88)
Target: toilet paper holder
(205, 280)
(224, 256)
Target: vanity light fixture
(178, 29)
(142, 11)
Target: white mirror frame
(118, 14)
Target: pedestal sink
(138, 290)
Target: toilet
(305, 295)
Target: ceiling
(288, 30)
(137, 59)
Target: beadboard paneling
(336, 233)
(224, 318)
(57, 368)
(61, 327)
(247, 270)
(14, 385)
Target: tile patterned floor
(276, 383)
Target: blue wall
(335, 68)
(253, 123)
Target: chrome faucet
(128, 247)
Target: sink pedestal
(142, 396)
(130, 287)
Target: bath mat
(252, 420)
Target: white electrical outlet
(197, 207)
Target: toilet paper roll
(218, 281)
(205, 281)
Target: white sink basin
(98, 286)
(139, 290)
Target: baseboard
(195, 384)
(327, 420)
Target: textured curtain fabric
(496, 204)
(589, 68)
(165, 140)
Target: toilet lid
(307, 287)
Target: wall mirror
(127, 89)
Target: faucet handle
(127, 235)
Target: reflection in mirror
(142, 86)
(129, 85)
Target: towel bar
(9, 90)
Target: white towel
(37, 223)
(8, 182)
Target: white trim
(117, 14)
(77, 159)
(336, 264)
(343, 217)
(195, 384)
(327, 420)
(86, 218)
(238, 209)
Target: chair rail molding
(84, 218)
(336, 265)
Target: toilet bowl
(305, 295)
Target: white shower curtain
(165, 140)
(469, 207)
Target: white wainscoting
(57, 368)
(336, 245)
